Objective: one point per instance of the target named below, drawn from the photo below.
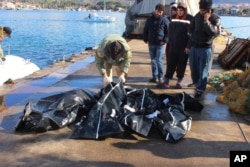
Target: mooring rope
(236, 27)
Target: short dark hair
(115, 49)
(160, 7)
(7, 30)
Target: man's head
(181, 9)
(173, 8)
(7, 31)
(159, 10)
(205, 7)
(4, 32)
(182, 5)
(115, 49)
(205, 4)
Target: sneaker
(161, 80)
(198, 95)
(192, 85)
(163, 86)
(178, 86)
(153, 80)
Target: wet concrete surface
(215, 130)
(26, 89)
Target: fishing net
(236, 94)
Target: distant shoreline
(234, 15)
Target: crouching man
(113, 51)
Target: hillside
(230, 1)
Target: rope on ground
(238, 123)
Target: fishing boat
(15, 67)
(140, 10)
(94, 17)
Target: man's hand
(162, 43)
(122, 79)
(106, 80)
(187, 50)
(207, 15)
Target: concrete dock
(215, 130)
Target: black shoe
(178, 86)
(198, 95)
(153, 80)
(162, 85)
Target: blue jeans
(157, 55)
(200, 61)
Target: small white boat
(15, 67)
(93, 17)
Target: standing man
(173, 11)
(178, 40)
(155, 35)
(113, 50)
(4, 32)
(203, 29)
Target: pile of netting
(234, 87)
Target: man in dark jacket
(203, 29)
(155, 35)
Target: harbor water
(45, 36)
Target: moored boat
(138, 13)
(94, 17)
(15, 67)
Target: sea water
(45, 36)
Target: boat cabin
(141, 9)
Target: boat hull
(15, 67)
(93, 17)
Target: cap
(115, 48)
(174, 6)
(182, 5)
(7, 30)
(205, 4)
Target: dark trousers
(176, 58)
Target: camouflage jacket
(103, 54)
